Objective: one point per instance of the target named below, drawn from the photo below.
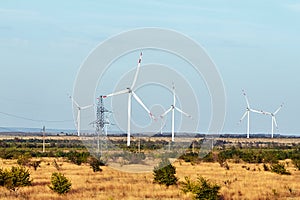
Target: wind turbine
(79, 109)
(131, 94)
(248, 110)
(173, 108)
(274, 122)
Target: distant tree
(164, 173)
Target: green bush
(78, 157)
(59, 183)
(164, 173)
(14, 178)
(279, 169)
(202, 189)
(190, 157)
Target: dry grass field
(237, 182)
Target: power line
(34, 120)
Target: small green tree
(202, 189)
(14, 178)
(59, 183)
(164, 173)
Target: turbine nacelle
(129, 90)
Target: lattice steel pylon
(100, 122)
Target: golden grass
(237, 183)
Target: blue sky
(254, 44)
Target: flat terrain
(241, 181)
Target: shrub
(296, 162)
(14, 178)
(164, 173)
(24, 159)
(190, 157)
(54, 163)
(202, 188)
(35, 164)
(266, 168)
(95, 164)
(78, 157)
(134, 158)
(279, 169)
(59, 183)
(3, 177)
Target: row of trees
(246, 155)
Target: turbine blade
(117, 93)
(174, 95)
(137, 71)
(183, 112)
(243, 116)
(278, 109)
(275, 122)
(142, 104)
(86, 107)
(246, 98)
(166, 112)
(73, 100)
(266, 113)
(257, 111)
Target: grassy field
(241, 181)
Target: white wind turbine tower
(274, 122)
(79, 109)
(173, 108)
(248, 110)
(131, 94)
